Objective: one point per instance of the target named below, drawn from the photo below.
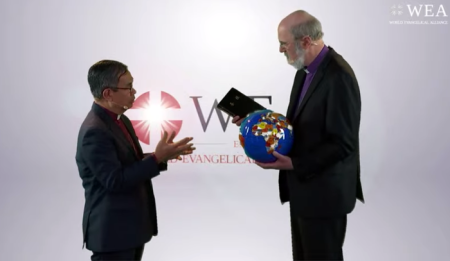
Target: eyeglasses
(121, 88)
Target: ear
(306, 42)
(106, 93)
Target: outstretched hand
(282, 163)
(167, 149)
(185, 152)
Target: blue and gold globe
(263, 132)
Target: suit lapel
(121, 136)
(115, 129)
(130, 129)
(295, 93)
(316, 79)
(314, 83)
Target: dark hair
(103, 74)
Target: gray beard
(299, 63)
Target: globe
(263, 132)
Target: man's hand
(186, 152)
(282, 163)
(167, 149)
(237, 120)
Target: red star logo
(151, 116)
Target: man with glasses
(320, 177)
(120, 211)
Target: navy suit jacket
(325, 181)
(120, 209)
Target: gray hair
(312, 28)
(105, 74)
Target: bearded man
(320, 178)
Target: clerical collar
(312, 68)
(113, 115)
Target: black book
(235, 103)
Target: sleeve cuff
(162, 166)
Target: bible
(235, 103)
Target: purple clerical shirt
(311, 71)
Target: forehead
(284, 34)
(126, 78)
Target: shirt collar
(312, 68)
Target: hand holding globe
(266, 137)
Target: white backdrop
(220, 210)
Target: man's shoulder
(338, 66)
(92, 123)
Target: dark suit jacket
(325, 181)
(120, 210)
